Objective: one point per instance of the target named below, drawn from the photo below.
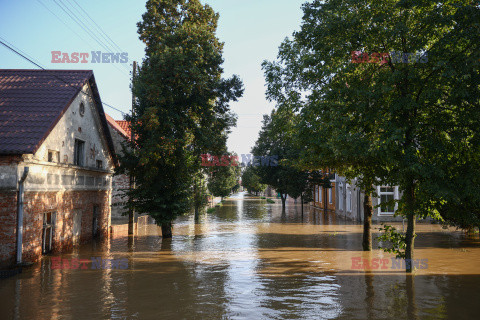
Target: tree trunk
(367, 222)
(166, 230)
(410, 235)
(284, 198)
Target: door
(77, 226)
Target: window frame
(53, 156)
(48, 226)
(349, 198)
(79, 157)
(393, 193)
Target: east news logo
(96, 57)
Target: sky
(252, 31)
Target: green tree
(223, 179)
(273, 145)
(281, 168)
(409, 119)
(181, 108)
(251, 181)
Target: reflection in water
(249, 260)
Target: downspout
(20, 215)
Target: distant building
(52, 122)
(120, 132)
(350, 201)
(325, 198)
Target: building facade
(350, 200)
(120, 132)
(325, 198)
(56, 162)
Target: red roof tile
(125, 125)
(32, 102)
(114, 124)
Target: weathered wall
(8, 222)
(73, 126)
(63, 204)
(62, 188)
(120, 183)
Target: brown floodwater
(248, 260)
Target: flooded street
(249, 261)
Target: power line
(53, 13)
(85, 28)
(99, 28)
(110, 44)
(41, 67)
(18, 53)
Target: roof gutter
(20, 215)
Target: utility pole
(131, 211)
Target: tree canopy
(411, 122)
(181, 107)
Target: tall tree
(182, 107)
(415, 109)
(274, 141)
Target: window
(79, 153)
(99, 164)
(53, 156)
(320, 194)
(340, 196)
(349, 200)
(81, 109)
(47, 232)
(330, 199)
(386, 197)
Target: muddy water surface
(250, 261)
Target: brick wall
(64, 204)
(8, 222)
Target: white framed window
(349, 199)
(320, 194)
(340, 196)
(387, 194)
(330, 199)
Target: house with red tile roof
(56, 163)
(120, 132)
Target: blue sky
(252, 31)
